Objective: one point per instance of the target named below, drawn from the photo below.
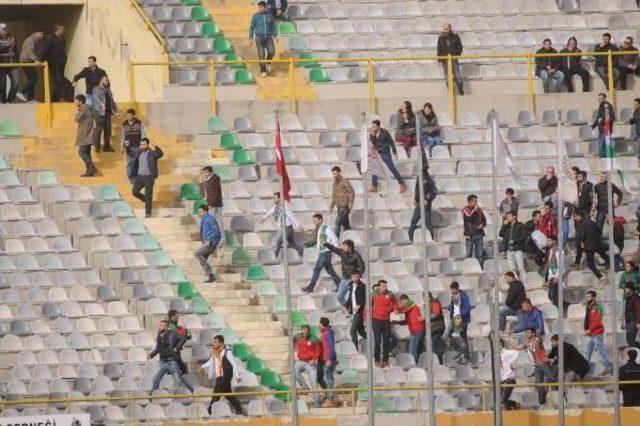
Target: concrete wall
(24, 115)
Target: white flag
(568, 190)
(503, 159)
(370, 159)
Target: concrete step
(239, 309)
(241, 327)
(273, 343)
(220, 286)
(261, 333)
(182, 245)
(235, 317)
(226, 300)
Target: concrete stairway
(234, 19)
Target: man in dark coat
(145, 173)
(628, 372)
(573, 360)
(449, 44)
(591, 243)
(211, 190)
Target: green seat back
(200, 306)
(256, 365)
(9, 128)
(286, 27)
(280, 304)
(47, 178)
(222, 45)
(241, 157)
(174, 275)
(200, 14)
(319, 75)
(190, 191)
(309, 64)
(241, 257)
(242, 351)
(267, 288)
(224, 173)
(270, 379)
(230, 240)
(122, 209)
(298, 318)
(161, 259)
(244, 77)
(134, 226)
(191, 2)
(147, 242)
(215, 125)
(196, 205)
(109, 192)
(211, 29)
(187, 290)
(256, 273)
(232, 56)
(230, 141)
(283, 396)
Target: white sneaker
(269, 69)
(603, 280)
(264, 74)
(22, 97)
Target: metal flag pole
(287, 292)
(560, 251)
(430, 419)
(612, 274)
(495, 334)
(367, 309)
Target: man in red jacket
(384, 302)
(327, 363)
(307, 353)
(595, 331)
(549, 225)
(415, 321)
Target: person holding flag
(604, 123)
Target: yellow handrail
(149, 24)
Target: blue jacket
(210, 230)
(531, 320)
(263, 25)
(465, 308)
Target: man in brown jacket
(84, 138)
(211, 190)
(29, 54)
(342, 197)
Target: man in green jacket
(264, 30)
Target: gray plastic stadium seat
(243, 125)
(241, 224)
(181, 13)
(225, 77)
(550, 117)
(83, 385)
(185, 45)
(527, 118)
(113, 370)
(517, 134)
(173, 30)
(296, 12)
(20, 327)
(575, 118)
(186, 77)
(586, 134)
(626, 114)
(162, 14)
(51, 310)
(142, 291)
(99, 210)
(204, 45)
(358, 75)
(328, 140)
(63, 325)
(202, 78)
(180, 305)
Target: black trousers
(103, 125)
(624, 72)
(224, 386)
(506, 394)
(630, 398)
(84, 151)
(584, 76)
(145, 182)
(381, 331)
(56, 70)
(29, 88)
(591, 260)
(357, 328)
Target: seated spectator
(514, 236)
(516, 295)
(548, 185)
(630, 372)
(574, 362)
(602, 61)
(631, 275)
(627, 64)
(532, 245)
(406, 127)
(430, 129)
(532, 319)
(550, 270)
(509, 204)
(572, 65)
(548, 68)
(278, 8)
(548, 224)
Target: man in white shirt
(508, 358)
(324, 234)
(291, 223)
(222, 368)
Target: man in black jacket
(384, 144)
(572, 65)
(278, 8)
(449, 44)
(548, 68)
(548, 185)
(574, 361)
(355, 306)
(630, 372)
(514, 235)
(586, 196)
(604, 123)
(168, 345)
(351, 263)
(54, 51)
(516, 294)
(8, 55)
(474, 221)
(222, 368)
(631, 315)
(591, 243)
(602, 61)
(601, 192)
(429, 194)
(145, 172)
(92, 75)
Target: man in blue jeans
(324, 234)
(460, 316)
(474, 221)
(384, 144)
(605, 116)
(449, 44)
(264, 30)
(168, 345)
(351, 263)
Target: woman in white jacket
(222, 368)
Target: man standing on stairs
(210, 236)
(324, 234)
(92, 75)
(352, 263)
(55, 52)
(8, 54)
(145, 173)
(132, 133)
(222, 367)
(355, 306)
(104, 106)
(342, 196)
(29, 53)
(84, 136)
(211, 190)
(291, 224)
(264, 30)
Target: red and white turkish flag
(281, 167)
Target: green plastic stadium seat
(134, 226)
(122, 209)
(222, 45)
(308, 64)
(187, 290)
(175, 275)
(47, 178)
(244, 77)
(280, 304)
(298, 318)
(230, 336)
(256, 365)
(282, 396)
(319, 75)
(270, 379)
(160, 258)
(256, 273)
(240, 157)
(190, 191)
(232, 56)
(191, 2)
(200, 306)
(230, 141)
(109, 193)
(241, 257)
(242, 351)
(147, 242)
(286, 27)
(215, 125)
(199, 14)
(315, 332)
(224, 173)
(211, 29)
(267, 288)
(9, 128)
(196, 206)
(231, 240)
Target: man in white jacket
(323, 234)
(508, 359)
(222, 368)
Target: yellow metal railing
(149, 24)
(292, 63)
(351, 392)
(47, 84)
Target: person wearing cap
(29, 53)
(8, 55)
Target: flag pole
(287, 290)
(430, 419)
(497, 407)
(560, 251)
(614, 314)
(367, 310)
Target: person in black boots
(145, 173)
(631, 315)
(84, 136)
(574, 361)
(92, 75)
(104, 106)
(430, 192)
(130, 137)
(222, 368)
